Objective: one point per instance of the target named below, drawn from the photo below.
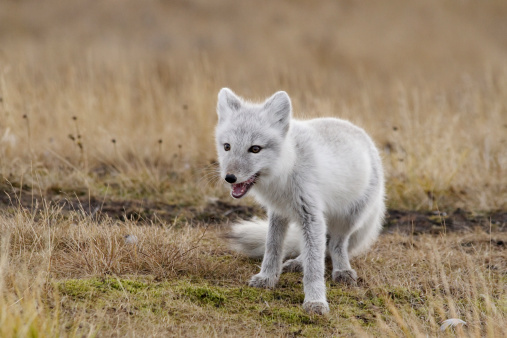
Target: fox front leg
(273, 255)
(313, 258)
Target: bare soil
(147, 211)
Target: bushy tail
(249, 238)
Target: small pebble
(452, 322)
(130, 239)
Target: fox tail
(249, 238)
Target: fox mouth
(239, 190)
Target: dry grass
(428, 80)
(116, 100)
(77, 277)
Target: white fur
(315, 177)
(249, 238)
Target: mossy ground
(198, 306)
(274, 311)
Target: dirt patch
(418, 222)
(142, 211)
(153, 212)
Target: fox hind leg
(339, 231)
(293, 265)
(342, 271)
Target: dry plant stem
(79, 143)
(28, 133)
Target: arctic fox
(317, 178)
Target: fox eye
(227, 147)
(254, 149)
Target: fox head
(249, 138)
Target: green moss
(314, 331)
(292, 316)
(290, 295)
(247, 293)
(404, 295)
(82, 288)
(100, 287)
(205, 295)
(272, 309)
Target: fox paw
(292, 265)
(345, 276)
(318, 308)
(263, 281)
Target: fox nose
(230, 178)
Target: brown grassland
(111, 210)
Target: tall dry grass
(427, 79)
(40, 249)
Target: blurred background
(427, 79)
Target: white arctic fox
(315, 177)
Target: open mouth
(240, 189)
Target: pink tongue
(238, 189)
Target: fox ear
(227, 102)
(279, 109)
